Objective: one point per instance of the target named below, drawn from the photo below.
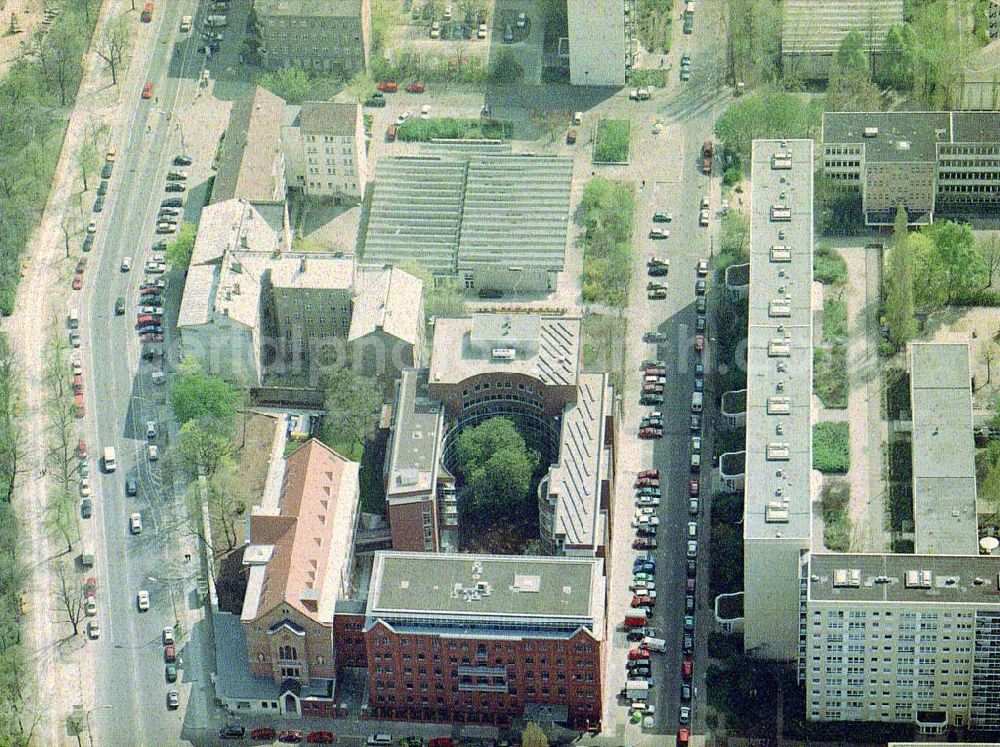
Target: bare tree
(13, 454)
(114, 45)
(989, 250)
(60, 408)
(69, 595)
(60, 55)
(989, 354)
(227, 503)
(86, 154)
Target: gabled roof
(300, 549)
(249, 167)
(389, 300)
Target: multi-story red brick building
(485, 638)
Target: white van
(74, 318)
(697, 401)
(110, 459)
(654, 644)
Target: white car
(142, 600)
(168, 636)
(425, 111)
(84, 487)
(135, 523)
(522, 20)
(90, 606)
(648, 521)
(92, 226)
(403, 117)
(703, 218)
(649, 585)
(152, 452)
(77, 365)
(166, 227)
(150, 309)
(481, 34)
(647, 500)
(645, 511)
(94, 630)
(126, 264)
(155, 268)
(702, 267)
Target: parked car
(142, 600)
(415, 87)
(172, 202)
(175, 187)
(86, 508)
(173, 699)
(659, 233)
(232, 731)
(662, 217)
(644, 543)
(263, 732)
(290, 736)
(694, 487)
(321, 737)
(147, 90)
(388, 86)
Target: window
(288, 653)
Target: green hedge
(420, 130)
(835, 502)
(834, 320)
(832, 447)
(830, 375)
(978, 298)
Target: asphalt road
(689, 112)
(130, 686)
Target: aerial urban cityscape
(499, 373)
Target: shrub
(832, 447)
(612, 141)
(606, 214)
(829, 266)
(830, 375)
(834, 320)
(655, 77)
(449, 128)
(732, 176)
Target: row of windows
(589, 694)
(452, 645)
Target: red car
(81, 265)
(415, 87)
(388, 86)
(169, 653)
(694, 487)
(643, 602)
(647, 433)
(81, 449)
(290, 736)
(440, 742)
(647, 482)
(655, 371)
(147, 90)
(652, 389)
(699, 343)
(146, 290)
(638, 653)
(77, 282)
(90, 587)
(683, 736)
(320, 737)
(652, 473)
(687, 669)
(263, 732)
(644, 543)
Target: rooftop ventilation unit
(778, 451)
(776, 513)
(779, 348)
(781, 253)
(781, 160)
(918, 579)
(781, 213)
(781, 307)
(504, 354)
(779, 406)
(847, 578)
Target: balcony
(466, 670)
(470, 687)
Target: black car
(490, 293)
(700, 287)
(182, 161)
(120, 306)
(634, 636)
(692, 568)
(102, 188)
(174, 202)
(99, 204)
(688, 643)
(377, 102)
(131, 487)
(88, 242)
(106, 171)
(686, 692)
(175, 187)
(232, 731)
(86, 508)
(641, 671)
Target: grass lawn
(830, 375)
(612, 141)
(655, 25)
(645, 78)
(835, 501)
(420, 130)
(829, 266)
(834, 320)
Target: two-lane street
(130, 687)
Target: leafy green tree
(179, 250)
(506, 70)
(851, 87)
(496, 464)
(899, 282)
(606, 211)
(228, 501)
(734, 237)
(533, 736)
(476, 445)
(292, 84)
(352, 403)
(60, 55)
(204, 442)
(955, 259)
(766, 115)
(195, 394)
(929, 290)
(894, 68)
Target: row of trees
(606, 215)
(937, 266)
(15, 719)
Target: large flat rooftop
(416, 438)
(944, 467)
(779, 354)
(485, 587)
(880, 578)
(546, 348)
